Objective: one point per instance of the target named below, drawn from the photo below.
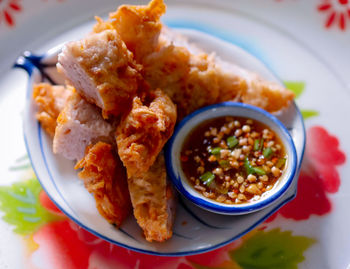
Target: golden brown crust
(267, 95)
(190, 77)
(196, 80)
(143, 132)
(153, 202)
(50, 101)
(109, 65)
(105, 177)
(139, 26)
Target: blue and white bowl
(188, 124)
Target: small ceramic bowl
(177, 176)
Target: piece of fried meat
(153, 200)
(139, 26)
(191, 81)
(102, 70)
(105, 177)
(78, 125)
(193, 78)
(143, 132)
(50, 101)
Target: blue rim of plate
(26, 62)
(202, 202)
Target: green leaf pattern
(22, 208)
(295, 86)
(272, 250)
(298, 88)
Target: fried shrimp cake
(139, 26)
(143, 131)
(105, 177)
(102, 70)
(50, 101)
(78, 125)
(153, 200)
(193, 78)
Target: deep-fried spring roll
(50, 101)
(105, 177)
(102, 70)
(143, 132)
(78, 125)
(153, 200)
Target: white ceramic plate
(203, 231)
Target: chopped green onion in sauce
(281, 162)
(248, 167)
(232, 141)
(256, 144)
(267, 152)
(207, 178)
(224, 163)
(215, 151)
(260, 171)
(233, 160)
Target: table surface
(309, 232)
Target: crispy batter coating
(50, 101)
(143, 132)
(109, 69)
(244, 86)
(153, 200)
(139, 26)
(105, 177)
(102, 70)
(196, 80)
(190, 80)
(190, 77)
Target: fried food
(143, 132)
(105, 177)
(191, 81)
(139, 26)
(114, 111)
(50, 101)
(252, 89)
(78, 125)
(153, 200)
(194, 79)
(102, 70)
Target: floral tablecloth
(40, 236)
